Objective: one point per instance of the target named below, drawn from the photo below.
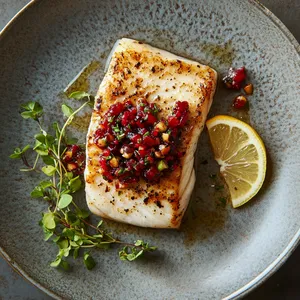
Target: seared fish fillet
(139, 70)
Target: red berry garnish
(240, 102)
(235, 78)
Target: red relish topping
(74, 159)
(136, 144)
(240, 102)
(235, 78)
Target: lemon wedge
(241, 154)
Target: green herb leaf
(64, 201)
(100, 223)
(69, 233)
(40, 137)
(47, 235)
(45, 184)
(138, 243)
(75, 184)
(40, 148)
(65, 265)
(83, 214)
(56, 262)
(44, 139)
(73, 244)
(88, 261)
(48, 160)
(63, 244)
(67, 110)
(123, 253)
(78, 95)
(48, 170)
(37, 192)
(41, 189)
(69, 175)
(55, 240)
(133, 256)
(32, 110)
(76, 252)
(152, 248)
(71, 218)
(133, 252)
(49, 220)
(18, 152)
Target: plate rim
(256, 281)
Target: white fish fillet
(136, 70)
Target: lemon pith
(241, 154)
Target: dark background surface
(284, 284)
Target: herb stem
(127, 244)
(24, 159)
(54, 182)
(35, 162)
(59, 145)
(92, 226)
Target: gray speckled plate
(218, 253)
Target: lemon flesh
(241, 154)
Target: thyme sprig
(65, 223)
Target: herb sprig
(65, 223)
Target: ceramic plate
(219, 252)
